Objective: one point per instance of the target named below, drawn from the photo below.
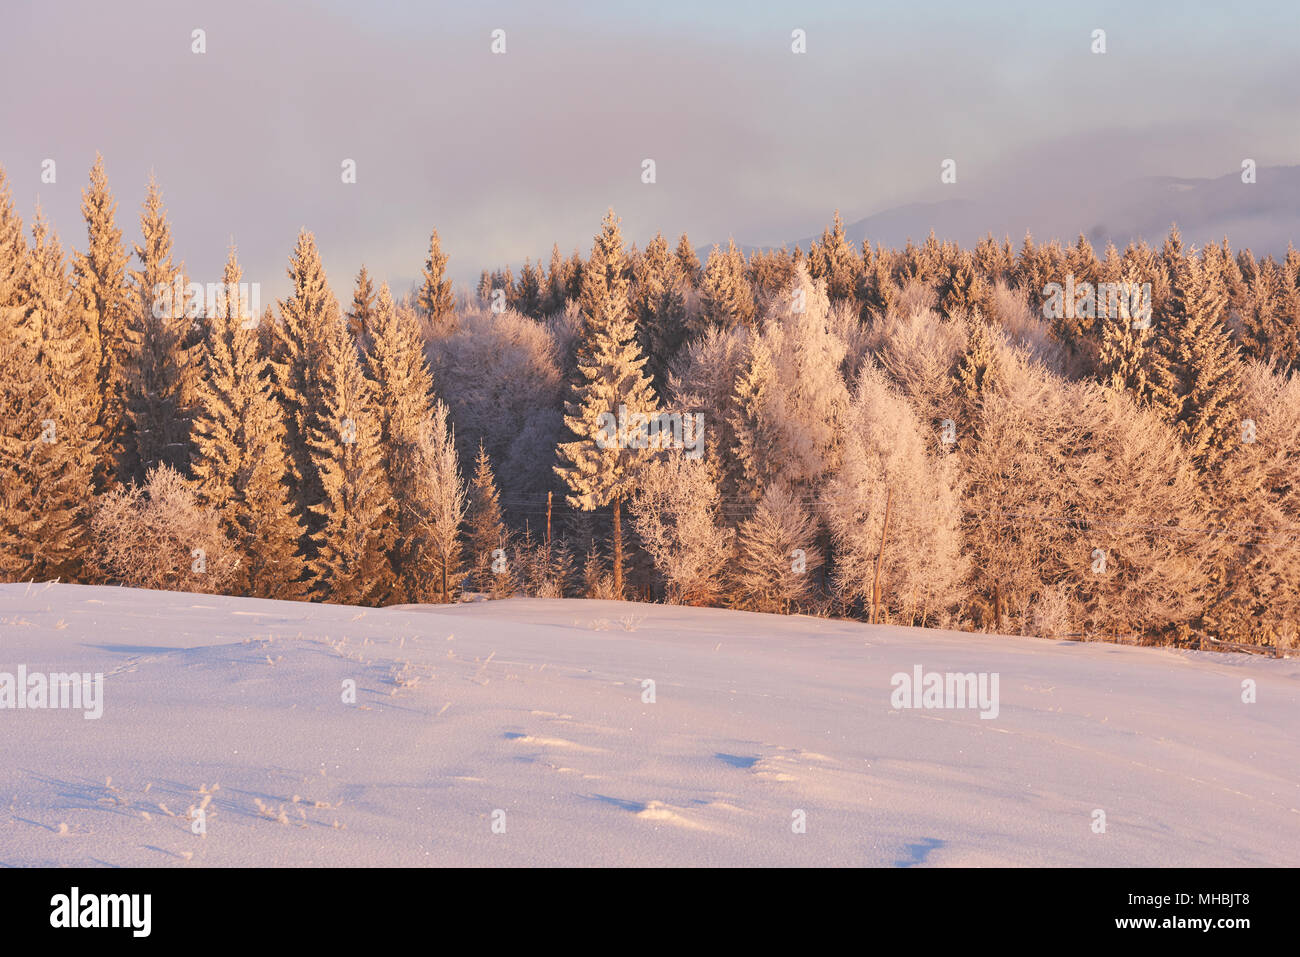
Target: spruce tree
(350, 563)
(1196, 382)
(435, 293)
(361, 315)
(660, 310)
(309, 319)
(67, 362)
(688, 262)
(486, 531)
(612, 384)
(99, 277)
(413, 433)
(161, 369)
(240, 463)
(726, 298)
(778, 559)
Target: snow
(534, 708)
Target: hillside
(534, 707)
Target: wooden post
(548, 520)
(880, 559)
(618, 548)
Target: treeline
(897, 434)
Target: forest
(918, 436)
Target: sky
(507, 153)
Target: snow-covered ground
(535, 708)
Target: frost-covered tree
(790, 397)
(676, 512)
(435, 293)
(350, 564)
(890, 463)
(99, 278)
(596, 466)
(778, 558)
(55, 323)
(486, 532)
(361, 316)
(162, 364)
(726, 297)
(660, 308)
(240, 464)
(688, 262)
(309, 319)
(416, 443)
(1196, 382)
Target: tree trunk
(880, 559)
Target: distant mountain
(1264, 215)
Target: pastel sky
(506, 154)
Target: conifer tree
(361, 315)
(350, 564)
(162, 370)
(67, 362)
(834, 261)
(612, 384)
(414, 434)
(778, 558)
(435, 294)
(99, 277)
(486, 531)
(726, 298)
(240, 463)
(1197, 378)
(688, 263)
(309, 319)
(660, 310)
(555, 282)
(978, 370)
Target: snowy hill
(535, 708)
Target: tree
(415, 440)
(309, 319)
(159, 536)
(350, 563)
(66, 360)
(99, 278)
(778, 558)
(886, 465)
(435, 294)
(1196, 382)
(240, 464)
(726, 298)
(162, 368)
(361, 315)
(675, 511)
(487, 532)
(687, 260)
(791, 398)
(596, 466)
(659, 307)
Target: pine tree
(350, 564)
(659, 308)
(435, 294)
(240, 462)
(486, 531)
(834, 261)
(361, 315)
(612, 384)
(778, 556)
(528, 292)
(67, 362)
(308, 321)
(726, 298)
(556, 285)
(978, 372)
(162, 369)
(413, 435)
(1197, 378)
(99, 277)
(688, 263)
